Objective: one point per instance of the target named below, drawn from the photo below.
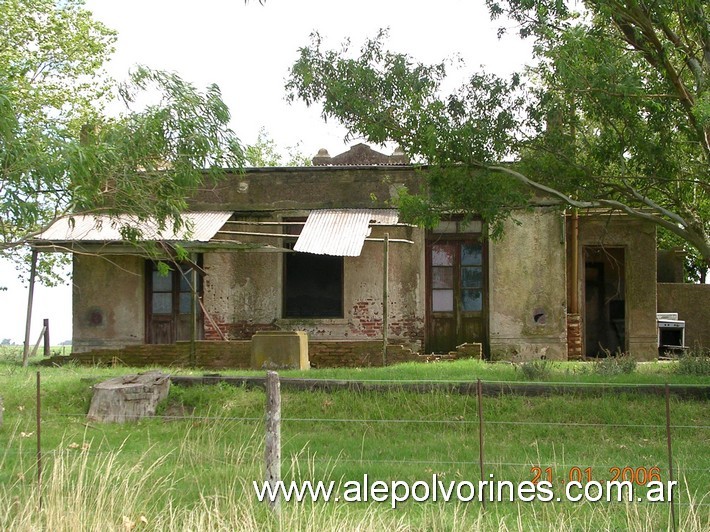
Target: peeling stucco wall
(244, 291)
(108, 302)
(527, 288)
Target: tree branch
(680, 228)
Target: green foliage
(695, 268)
(613, 115)
(265, 152)
(695, 362)
(61, 153)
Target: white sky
(247, 50)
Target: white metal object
(341, 232)
(670, 330)
(197, 227)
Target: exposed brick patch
(366, 319)
(367, 322)
(574, 337)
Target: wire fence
(391, 443)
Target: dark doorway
(605, 301)
(169, 304)
(456, 293)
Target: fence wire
(292, 427)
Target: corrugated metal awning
(341, 232)
(197, 227)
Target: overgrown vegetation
(696, 362)
(62, 153)
(614, 365)
(193, 468)
(536, 370)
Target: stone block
(279, 350)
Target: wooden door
(169, 305)
(456, 293)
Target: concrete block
(279, 350)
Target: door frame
(173, 317)
(432, 238)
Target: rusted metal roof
(198, 227)
(341, 232)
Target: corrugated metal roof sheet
(199, 227)
(341, 232)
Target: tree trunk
(129, 397)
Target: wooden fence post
(39, 340)
(47, 347)
(30, 299)
(273, 434)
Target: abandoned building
(318, 249)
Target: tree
(62, 153)
(614, 114)
(265, 152)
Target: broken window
(312, 284)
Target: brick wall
(348, 353)
(212, 355)
(237, 354)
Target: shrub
(536, 370)
(615, 365)
(696, 362)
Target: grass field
(193, 467)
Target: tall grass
(192, 470)
(85, 491)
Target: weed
(695, 363)
(615, 365)
(536, 370)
